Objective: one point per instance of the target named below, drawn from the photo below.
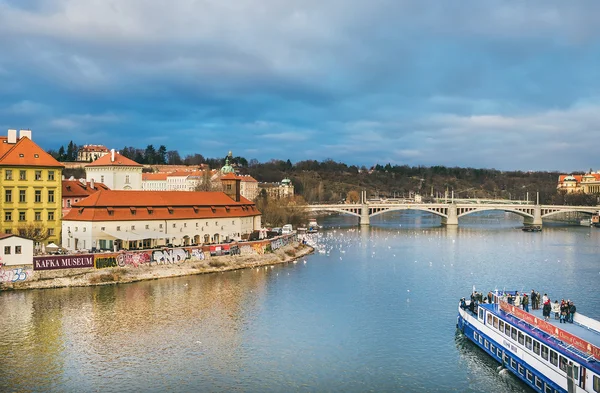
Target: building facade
(249, 187)
(74, 191)
(282, 190)
(114, 220)
(15, 250)
(588, 183)
(115, 171)
(30, 189)
(89, 153)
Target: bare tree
(37, 232)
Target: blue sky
(488, 84)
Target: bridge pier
(364, 215)
(537, 217)
(452, 218)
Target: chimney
(25, 133)
(112, 155)
(92, 184)
(12, 136)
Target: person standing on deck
(537, 299)
(572, 310)
(545, 298)
(525, 302)
(556, 309)
(533, 299)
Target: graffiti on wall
(173, 255)
(103, 261)
(133, 258)
(15, 275)
(156, 257)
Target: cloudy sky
(493, 84)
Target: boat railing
(589, 350)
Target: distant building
(154, 181)
(30, 189)
(282, 190)
(74, 191)
(177, 181)
(115, 171)
(15, 250)
(587, 184)
(91, 153)
(114, 220)
(249, 187)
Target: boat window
(521, 338)
(513, 364)
(507, 329)
(553, 358)
(489, 319)
(548, 388)
(528, 342)
(536, 347)
(481, 314)
(529, 375)
(575, 372)
(563, 363)
(501, 326)
(521, 370)
(514, 334)
(596, 384)
(475, 335)
(480, 339)
(496, 322)
(492, 348)
(544, 352)
(486, 344)
(538, 383)
(499, 352)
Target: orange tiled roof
(94, 148)
(24, 152)
(119, 161)
(75, 188)
(248, 178)
(230, 176)
(154, 176)
(119, 205)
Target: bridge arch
(414, 208)
(337, 210)
(496, 208)
(575, 210)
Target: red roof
(94, 148)
(25, 153)
(119, 161)
(75, 188)
(120, 205)
(154, 176)
(230, 176)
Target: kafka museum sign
(63, 262)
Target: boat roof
(553, 341)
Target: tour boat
(547, 355)
(532, 228)
(313, 226)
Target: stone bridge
(451, 212)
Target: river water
(374, 309)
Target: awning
(123, 235)
(147, 234)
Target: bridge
(451, 212)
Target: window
(38, 175)
(475, 335)
(17, 249)
(50, 216)
(513, 364)
(126, 179)
(174, 225)
(36, 156)
(103, 228)
(133, 227)
(521, 338)
(553, 358)
(575, 372)
(22, 175)
(528, 342)
(22, 216)
(50, 175)
(83, 229)
(499, 352)
(7, 216)
(160, 226)
(8, 174)
(197, 225)
(22, 196)
(536, 347)
(6, 250)
(513, 334)
(501, 326)
(38, 196)
(68, 203)
(8, 196)
(50, 231)
(486, 344)
(492, 348)
(507, 329)
(50, 195)
(596, 384)
(185, 224)
(563, 363)
(102, 179)
(76, 229)
(147, 226)
(38, 216)
(547, 388)
(480, 339)
(521, 370)
(544, 352)
(118, 228)
(528, 375)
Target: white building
(154, 181)
(116, 172)
(91, 153)
(114, 220)
(15, 250)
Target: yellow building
(30, 189)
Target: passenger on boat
(572, 310)
(490, 297)
(517, 300)
(525, 302)
(546, 310)
(556, 309)
(563, 311)
(545, 298)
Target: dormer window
(21, 155)
(36, 156)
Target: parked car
(287, 229)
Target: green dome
(227, 168)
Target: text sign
(63, 262)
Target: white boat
(547, 355)
(313, 226)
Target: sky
(511, 85)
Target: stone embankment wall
(127, 266)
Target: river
(374, 309)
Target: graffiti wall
(15, 275)
(148, 258)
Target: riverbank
(128, 274)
